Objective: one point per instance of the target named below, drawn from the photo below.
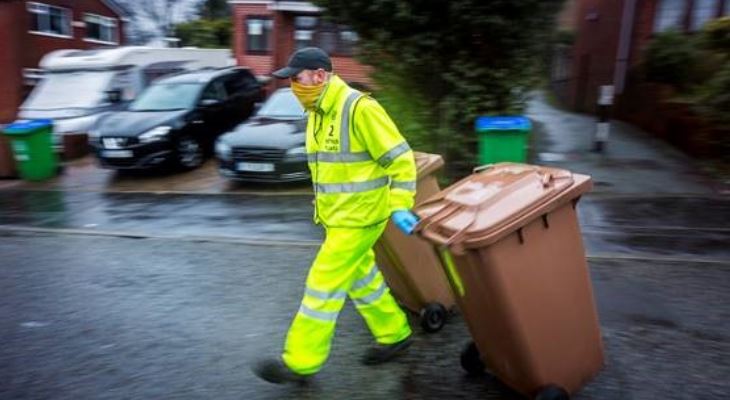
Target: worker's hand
(405, 220)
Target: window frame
(305, 24)
(319, 30)
(351, 48)
(218, 85)
(35, 9)
(713, 14)
(104, 22)
(688, 16)
(268, 35)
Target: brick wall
(643, 30)
(351, 71)
(283, 39)
(595, 50)
(10, 60)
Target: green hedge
(670, 58)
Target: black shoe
(274, 371)
(383, 353)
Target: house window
(103, 29)
(49, 19)
(669, 15)
(304, 28)
(703, 11)
(327, 37)
(258, 34)
(347, 42)
(332, 38)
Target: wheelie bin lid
(25, 126)
(427, 163)
(495, 201)
(502, 123)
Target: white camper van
(78, 85)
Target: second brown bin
(512, 248)
(410, 265)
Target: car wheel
(189, 153)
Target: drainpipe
(624, 45)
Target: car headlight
(297, 151)
(155, 134)
(223, 150)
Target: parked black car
(176, 120)
(270, 146)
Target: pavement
(169, 286)
(633, 162)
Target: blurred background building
(32, 29)
(610, 37)
(267, 32)
(664, 60)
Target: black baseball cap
(307, 58)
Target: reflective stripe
(387, 158)
(367, 279)
(354, 187)
(338, 157)
(320, 315)
(325, 295)
(405, 185)
(345, 124)
(371, 298)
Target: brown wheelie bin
(511, 245)
(410, 265)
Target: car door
(244, 91)
(234, 91)
(212, 105)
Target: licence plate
(117, 153)
(255, 167)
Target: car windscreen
(73, 89)
(167, 97)
(282, 104)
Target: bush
(205, 33)
(670, 58)
(440, 64)
(716, 35)
(564, 36)
(714, 98)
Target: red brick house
(611, 36)
(266, 32)
(33, 28)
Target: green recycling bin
(503, 139)
(32, 148)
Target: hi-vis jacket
(362, 168)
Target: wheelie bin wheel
(552, 392)
(471, 361)
(433, 317)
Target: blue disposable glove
(405, 220)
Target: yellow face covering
(307, 95)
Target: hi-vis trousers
(344, 267)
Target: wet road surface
(117, 318)
(689, 227)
